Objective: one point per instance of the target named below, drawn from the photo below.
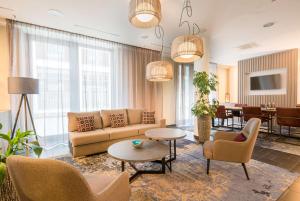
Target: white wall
(4, 67)
(169, 102)
(298, 84)
(233, 84)
(222, 89)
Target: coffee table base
(172, 155)
(139, 172)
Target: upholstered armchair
(49, 180)
(224, 148)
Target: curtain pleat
(183, 75)
(78, 73)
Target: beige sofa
(97, 141)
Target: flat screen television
(265, 82)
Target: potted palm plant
(204, 109)
(19, 144)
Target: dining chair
(239, 113)
(250, 112)
(223, 115)
(289, 117)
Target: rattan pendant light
(159, 71)
(144, 13)
(187, 48)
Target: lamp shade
(159, 71)
(144, 13)
(187, 48)
(23, 85)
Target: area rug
(189, 182)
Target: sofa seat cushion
(83, 138)
(144, 127)
(123, 132)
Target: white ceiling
(229, 23)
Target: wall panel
(287, 59)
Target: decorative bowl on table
(137, 143)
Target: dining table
(270, 112)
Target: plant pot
(204, 128)
(7, 190)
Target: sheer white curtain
(184, 94)
(78, 73)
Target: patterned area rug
(189, 182)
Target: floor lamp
(23, 86)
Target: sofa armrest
(162, 123)
(118, 190)
(231, 151)
(222, 135)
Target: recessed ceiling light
(95, 29)
(248, 46)
(55, 12)
(144, 36)
(269, 24)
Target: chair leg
(280, 131)
(241, 122)
(245, 169)
(208, 163)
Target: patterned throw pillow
(117, 120)
(85, 123)
(148, 118)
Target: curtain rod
(78, 34)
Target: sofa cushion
(79, 138)
(123, 132)
(144, 127)
(117, 120)
(134, 116)
(148, 118)
(105, 114)
(240, 138)
(72, 122)
(86, 123)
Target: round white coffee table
(167, 134)
(150, 151)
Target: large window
(78, 73)
(184, 94)
(95, 78)
(72, 77)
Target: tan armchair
(49, 180)
(224, 148)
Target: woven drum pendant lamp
(162, 70)
(159, 71)
(144, 13)
(187, 48)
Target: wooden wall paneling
(287, 59)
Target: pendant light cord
(187, 6)
(160, 34)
